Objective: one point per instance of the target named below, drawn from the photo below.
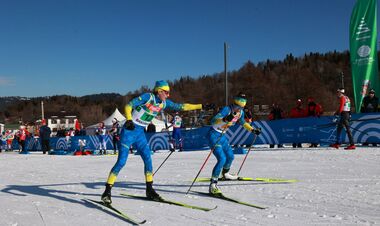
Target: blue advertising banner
(364, 127)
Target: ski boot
(151, 193)
(350, 147)
(106, 196)
(227, 176)
(213, 189)
(336, 145)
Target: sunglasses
(167, 93)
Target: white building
(61, 120)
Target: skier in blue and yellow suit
(139, 113)
(226, 117)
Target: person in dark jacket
(313, 109)
(370, 103)
(276, 114)
(45, 132)
(115, 133)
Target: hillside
(283, 82)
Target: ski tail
(163, 200)
(223, 197)
(110, 208)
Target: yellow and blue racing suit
(217, 139)
(142, 110)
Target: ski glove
(256, 131)
(129, 125)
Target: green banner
(363, 51)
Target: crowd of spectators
(312, 109)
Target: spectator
(22, 135)
(151, 128)
(370, 103)
(70, 133)
(101, 132)
(313, 110)
(115, 133)
(45, 133)
(276, 114)
(61, 132)
(77, 127)
(177, 135)
(10, 138)
(297, 112)
(82, 131)
(3, 141)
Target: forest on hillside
(284, 81)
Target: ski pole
(163, 162)
(366, 119)
(167, 127)
(246, 155)
(171, 152)
(204, 163)
(360, 131)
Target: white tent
(116, 114)
(108, 121)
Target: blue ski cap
(162, 85)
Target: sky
(82, 47)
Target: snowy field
(335, 187)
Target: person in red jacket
(297, 112)
(343, 117)
(313, 109)
(22, 135)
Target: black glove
(129, 125)
(228, 118)
(256, 131)
(209, 107)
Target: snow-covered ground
(336, 187)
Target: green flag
(363, 51)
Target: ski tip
(211, 209)
(142, 222)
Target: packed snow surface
(335, 187)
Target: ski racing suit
(177, 136)
(344, 111)
(142, 110)
(217, 139)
